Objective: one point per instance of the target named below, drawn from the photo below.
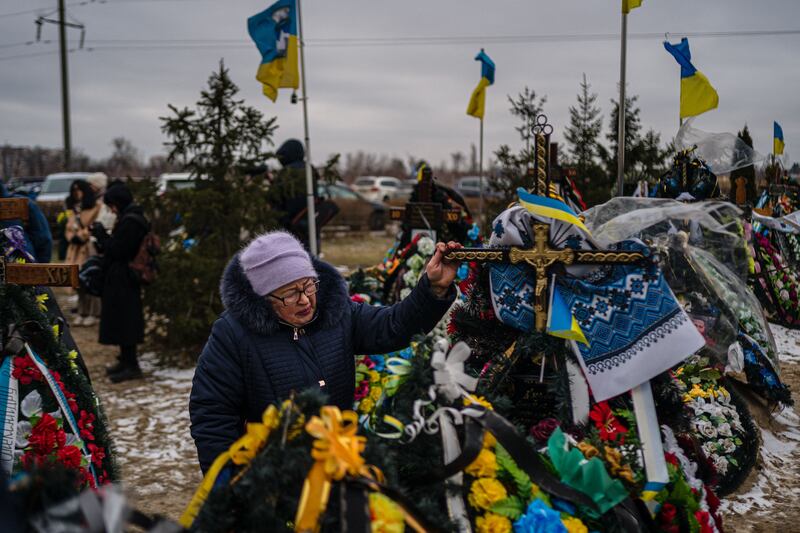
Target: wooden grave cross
(424, 215)
(49, 274)
(544, 258)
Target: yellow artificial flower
(366, 405)
(722, 391)
(614, 458)
(72, 356)
(480, 400)
(697, 391)
(385, 515)
(373, 376)
(55, 330)
(588, 450)
(574, 525)
(485, 465)
(679, 371)
(492, 523)
(375, 393)
(485, 492)
(40, 300)
(488, 440)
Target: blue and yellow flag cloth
(274, 31)
(477, 102)
(549, 207)
(697, 94)
(777, 139)
(627, 5)
(560, 321)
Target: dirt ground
(150, 424)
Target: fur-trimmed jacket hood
(252, 360)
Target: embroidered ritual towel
(635, 326)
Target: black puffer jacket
(252, 360)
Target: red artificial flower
(72, 402)
(362, 390)
(46, 436)
(451, 328)
(70, 456)
(544, 428)
(29, 459)
(671, 459)
(705, 521)
(98, 454)
(26, 371)
(86, 478)
(610, 428)
(668, 513)
(86, 425)
(102, 478)
(357, 298)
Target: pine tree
(633, 139)
(653, 157)
(526, 107)
(219, 142)
(583, 132)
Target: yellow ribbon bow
(241, 452)
(337, 451)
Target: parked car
(55, 190)
(378, 188)
(470, 187)
(174, 182)
(30, 186)
(355, 211)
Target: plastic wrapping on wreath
(711, 225)
(722, 152)
(706, 235)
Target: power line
(337, 42)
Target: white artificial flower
(705, 428)
(410, 278)
(724, 430)
(405, 292)
(416, 262)
(23, 433)
(426, 246)
(31, 405)
(728, 445)
(721, 464)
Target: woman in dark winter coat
(289, 324)
(121, 317)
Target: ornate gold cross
(542, 258)
(50, 274)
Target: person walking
(84, 210)
(290, 325)
(121, 316)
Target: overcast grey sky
(403, 99)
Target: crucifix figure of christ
(545, 259)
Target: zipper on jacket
(296, 336)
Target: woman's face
(77, 193)
(293, 304)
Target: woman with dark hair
(122, 318)
(83, 209)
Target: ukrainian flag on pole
(697, 94)
(477, 102)
(627, 5)
(777, 139)
(274, 31)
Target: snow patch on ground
(779, 468)
(152, 437)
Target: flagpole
(622, 106)
(310, 192)
(480, 176)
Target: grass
(355, 249)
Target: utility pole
(62, 44)
(62, 24)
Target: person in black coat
(289, 325)
(288, 192)
(122, 317)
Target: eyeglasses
(294, 297)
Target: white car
(378, 188)
(174, 182)
(55, 190)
